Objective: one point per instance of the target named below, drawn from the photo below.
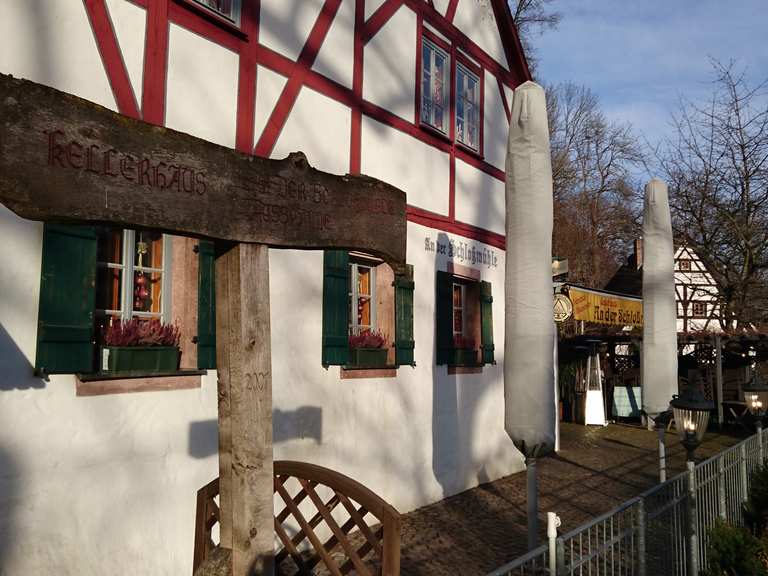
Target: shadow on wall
(306, 422)
(17, 372)
(9, 502)
(445, 414)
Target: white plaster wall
(90, 486)
(129, 22)
(475, 18)
(51, 42)
(284, 25)
(371, 6)
(495, 124)
(202, 87)
(389, 70)
(418, 169)
(319, 127)
(335, 58)
(269, 86)
(413, 439)
(479, 198)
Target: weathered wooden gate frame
(64, 159)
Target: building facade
(98, 471)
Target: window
(229, 9)
(699, 309)
(458, 310)
(362, 297)
(363, 294)
(91, 275)
(685, 265)
(467, 107)
(434, 86)
(130, 278)
(464, 321)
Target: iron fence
(662, 532)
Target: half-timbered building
(99, 468)
(696, 293)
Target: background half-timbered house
(98, 472)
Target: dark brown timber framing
(65, 159)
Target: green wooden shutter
(67, 300)
(444, 317)
(404, 342)
(335, 307)
(206, 306)
(486, 323)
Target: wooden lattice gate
(325, 523)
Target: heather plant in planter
(140, 345)
(368, 348)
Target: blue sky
(640, 56)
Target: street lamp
(756, 397)
(691, 411)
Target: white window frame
(235, 18)
(354, 327)
(460, 91)
(461, 308)
(430, 120)
(128, 267)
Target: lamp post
(660, 423)
(691, 410)
(756, 397)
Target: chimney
(638, 253)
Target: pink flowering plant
(138, 332)
(367, 339)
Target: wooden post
(243, 356)
(719, 379)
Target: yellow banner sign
(606, 308)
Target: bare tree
(532, 17)
(717, 166)
(592, 162)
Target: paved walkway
(596, 469)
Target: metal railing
(661, 532)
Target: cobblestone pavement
(596, 469)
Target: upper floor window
(229, 9)
(685, 265)
(467, 107)
(700, 309)
(434, 86)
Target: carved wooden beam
(65, 159)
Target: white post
(693, 541)
(743, 470)
(553, 523)
(719, 379)
(760, 449)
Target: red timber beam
(303, 66)
(245, 42)
(112, 58)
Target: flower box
(139, 358)
(463, 357)
(368, 357)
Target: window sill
(435, 132)
(350, 372)
(103, 383)
(211, 17)
(465, 369)
(469, 150)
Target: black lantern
(691, 411)
(756, 395)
